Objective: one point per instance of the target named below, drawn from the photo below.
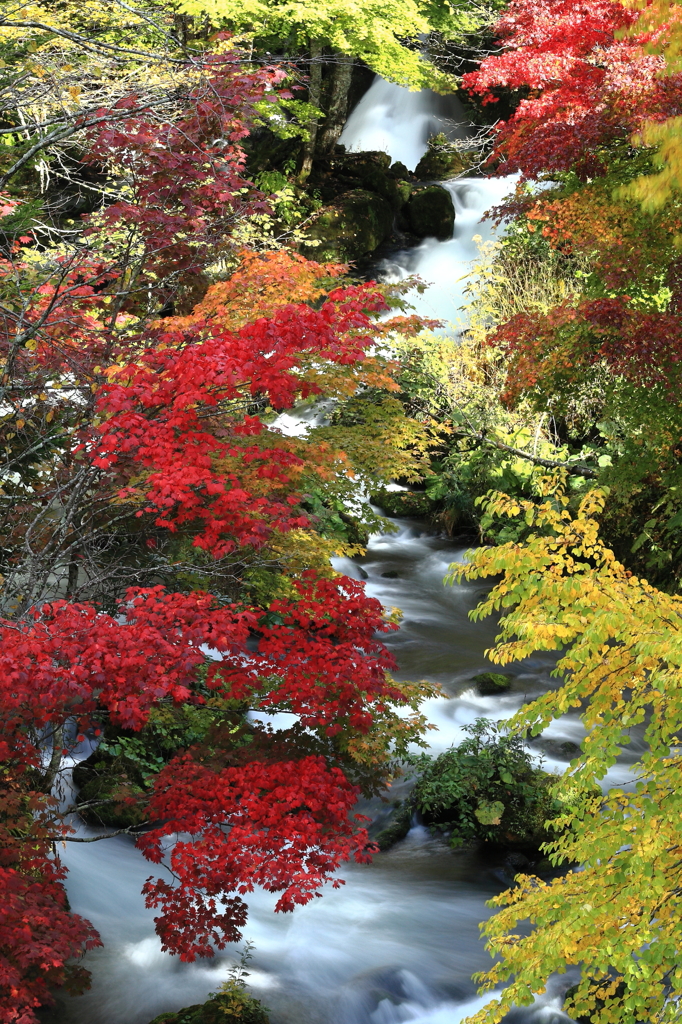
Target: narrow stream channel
(399, 941)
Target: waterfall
(394, 120)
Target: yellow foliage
(620, 645)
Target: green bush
(233, 1005)
(488, 789)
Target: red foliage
(160, 417)
(290, 821)
(38, 933)
(187, 174)
(552, 350)
(585, 83)
(167, 415)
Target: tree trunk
(338, 103)
(314, 97)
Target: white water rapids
(399, 942)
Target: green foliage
(376, 32)
(488, 789)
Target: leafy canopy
(376, 31)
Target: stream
(399, 941)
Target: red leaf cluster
(583, 83)
(552, 350)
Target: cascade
(399, 942)
(394, 120)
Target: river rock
(369, 171)
(489, 684)
(397, 828)
(355, 224)
(441, 161)
(430, 212)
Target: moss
(443, 159)
(403, 503)
(397, 828)
(430, 212)
(490, 683)
(354, 225)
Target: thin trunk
(53, 767)
(338, 103)
(314, 97)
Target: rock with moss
(430, 212)
(489, 684)
(442, 160)
(397, 828)
(403, 503)
(233, 1005)
(355, 224)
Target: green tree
(383, 33)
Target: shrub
(488, 789)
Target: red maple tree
(158, 420)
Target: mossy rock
(369, 171)
(397, 828)
(442, 160)
(235, 1007)
(488, 684)
(355, 224)
(403, 503)
(399, 170)
(430, 212)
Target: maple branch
(65, 133)
(95, 839)
(572, 468)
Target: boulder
(442, 160)
(355, 224)
(369, 171)
(489, 684)
(397, 828)
(400, 171)
(430, 212)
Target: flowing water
(399, 941)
